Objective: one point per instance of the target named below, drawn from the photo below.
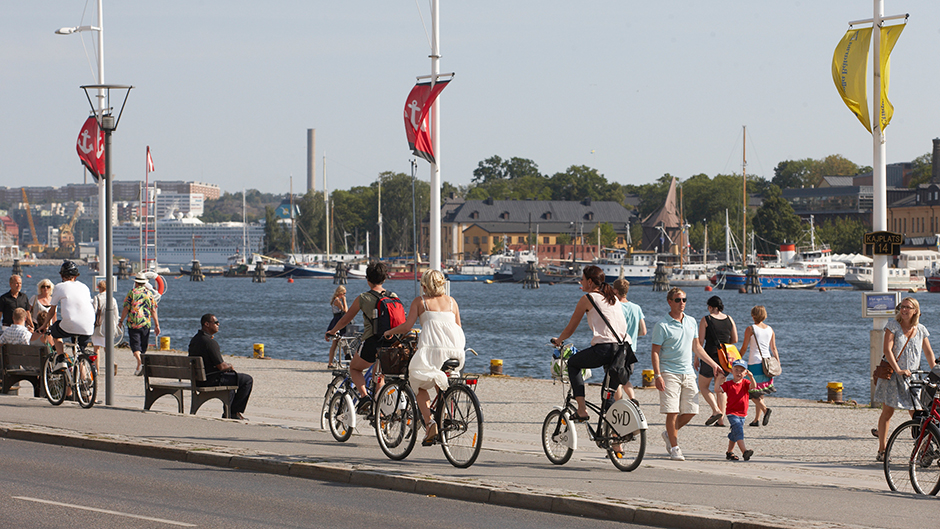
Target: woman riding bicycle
(604, 344)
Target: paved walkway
(813, 464)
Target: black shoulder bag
(621, 366)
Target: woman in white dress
(441, 339)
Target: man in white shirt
(72, 301)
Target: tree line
(704, 199)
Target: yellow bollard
(835, 391)
(648, 378)
(259, 350)
(496, 366)
(164, 343)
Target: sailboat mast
(744, 180)
(728, 257)
(292, 231)
(244, 229)
(682, 234)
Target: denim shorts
(737, 428)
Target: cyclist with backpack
(381, 311)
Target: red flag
(149, 161)
(417, 110)
(90, 147)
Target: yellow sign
(883, 243)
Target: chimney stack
(935, 174)
(311, 160)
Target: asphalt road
(55, 486)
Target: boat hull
(306, 272)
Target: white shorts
(680, 395)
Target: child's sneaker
(676, 454)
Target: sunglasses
(680, 300)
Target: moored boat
(903, 279)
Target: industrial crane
(34, 247)
(66, 236)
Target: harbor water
(821, 336)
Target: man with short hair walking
(674, 341)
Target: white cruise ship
(182, 239)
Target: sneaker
(666, 439)
(766, 417)
(61, 365)
(675, 453)
(364, 407)
(139, 371)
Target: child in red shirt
(737, 391)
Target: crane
(66, 236)
(33, 247)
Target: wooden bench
(23, 362)
(178, 373)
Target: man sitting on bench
(17, 334)
(219, 372)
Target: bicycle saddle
(450, 365)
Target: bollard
(648, 380)
(259, 350)
(708, 288)
(496, 366)
(835, 392)
(164, 343)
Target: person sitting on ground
(441, 339)
(17, 333)
(715, 329)
(905, 340)
(376, 274)
(13, 300)
(761, 342)
(604, 344)
(339, 308)
(77, 316)
(39, 306)
(218, 371)
(736, 393)
(636, 327)
(139, 309)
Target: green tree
(608, 234)
(397, 221)
(276, 236)
(310, 223)
(580, 181)
(789, 174)
(775, 220)
(495, 168)
(843, 235)
(921, 169)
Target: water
(821, 336)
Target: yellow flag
(889, 36)
(849, 70)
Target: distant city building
(121, 190)
(190, 204)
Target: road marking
(105, 511)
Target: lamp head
(65, 31)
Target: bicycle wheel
(325, 408)
(898, 453)
(460, 420)
(925, 465)
(632, 449)
(86, 382)
(53, 382)
(396, 420)
(555, 432)
(341, 417)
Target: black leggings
(595, 356)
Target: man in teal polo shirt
(674, 340)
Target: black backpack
(389, 312)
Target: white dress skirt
(441, 339)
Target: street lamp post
(103, 249)
(108, 124)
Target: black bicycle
(620, 430)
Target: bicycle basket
(560, 370)
(394, 359)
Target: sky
(225, 91)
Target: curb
(425, 485)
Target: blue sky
(226, 90)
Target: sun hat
(140, 277)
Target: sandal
(580, 418)
(730, 456)
(766, 417)
(755, 423)
(747, 454)
(881, 456)
(719, 424)
(711, 420)
(874, 432)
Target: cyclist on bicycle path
(376, 273)
(77, 314)
(604, 344)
